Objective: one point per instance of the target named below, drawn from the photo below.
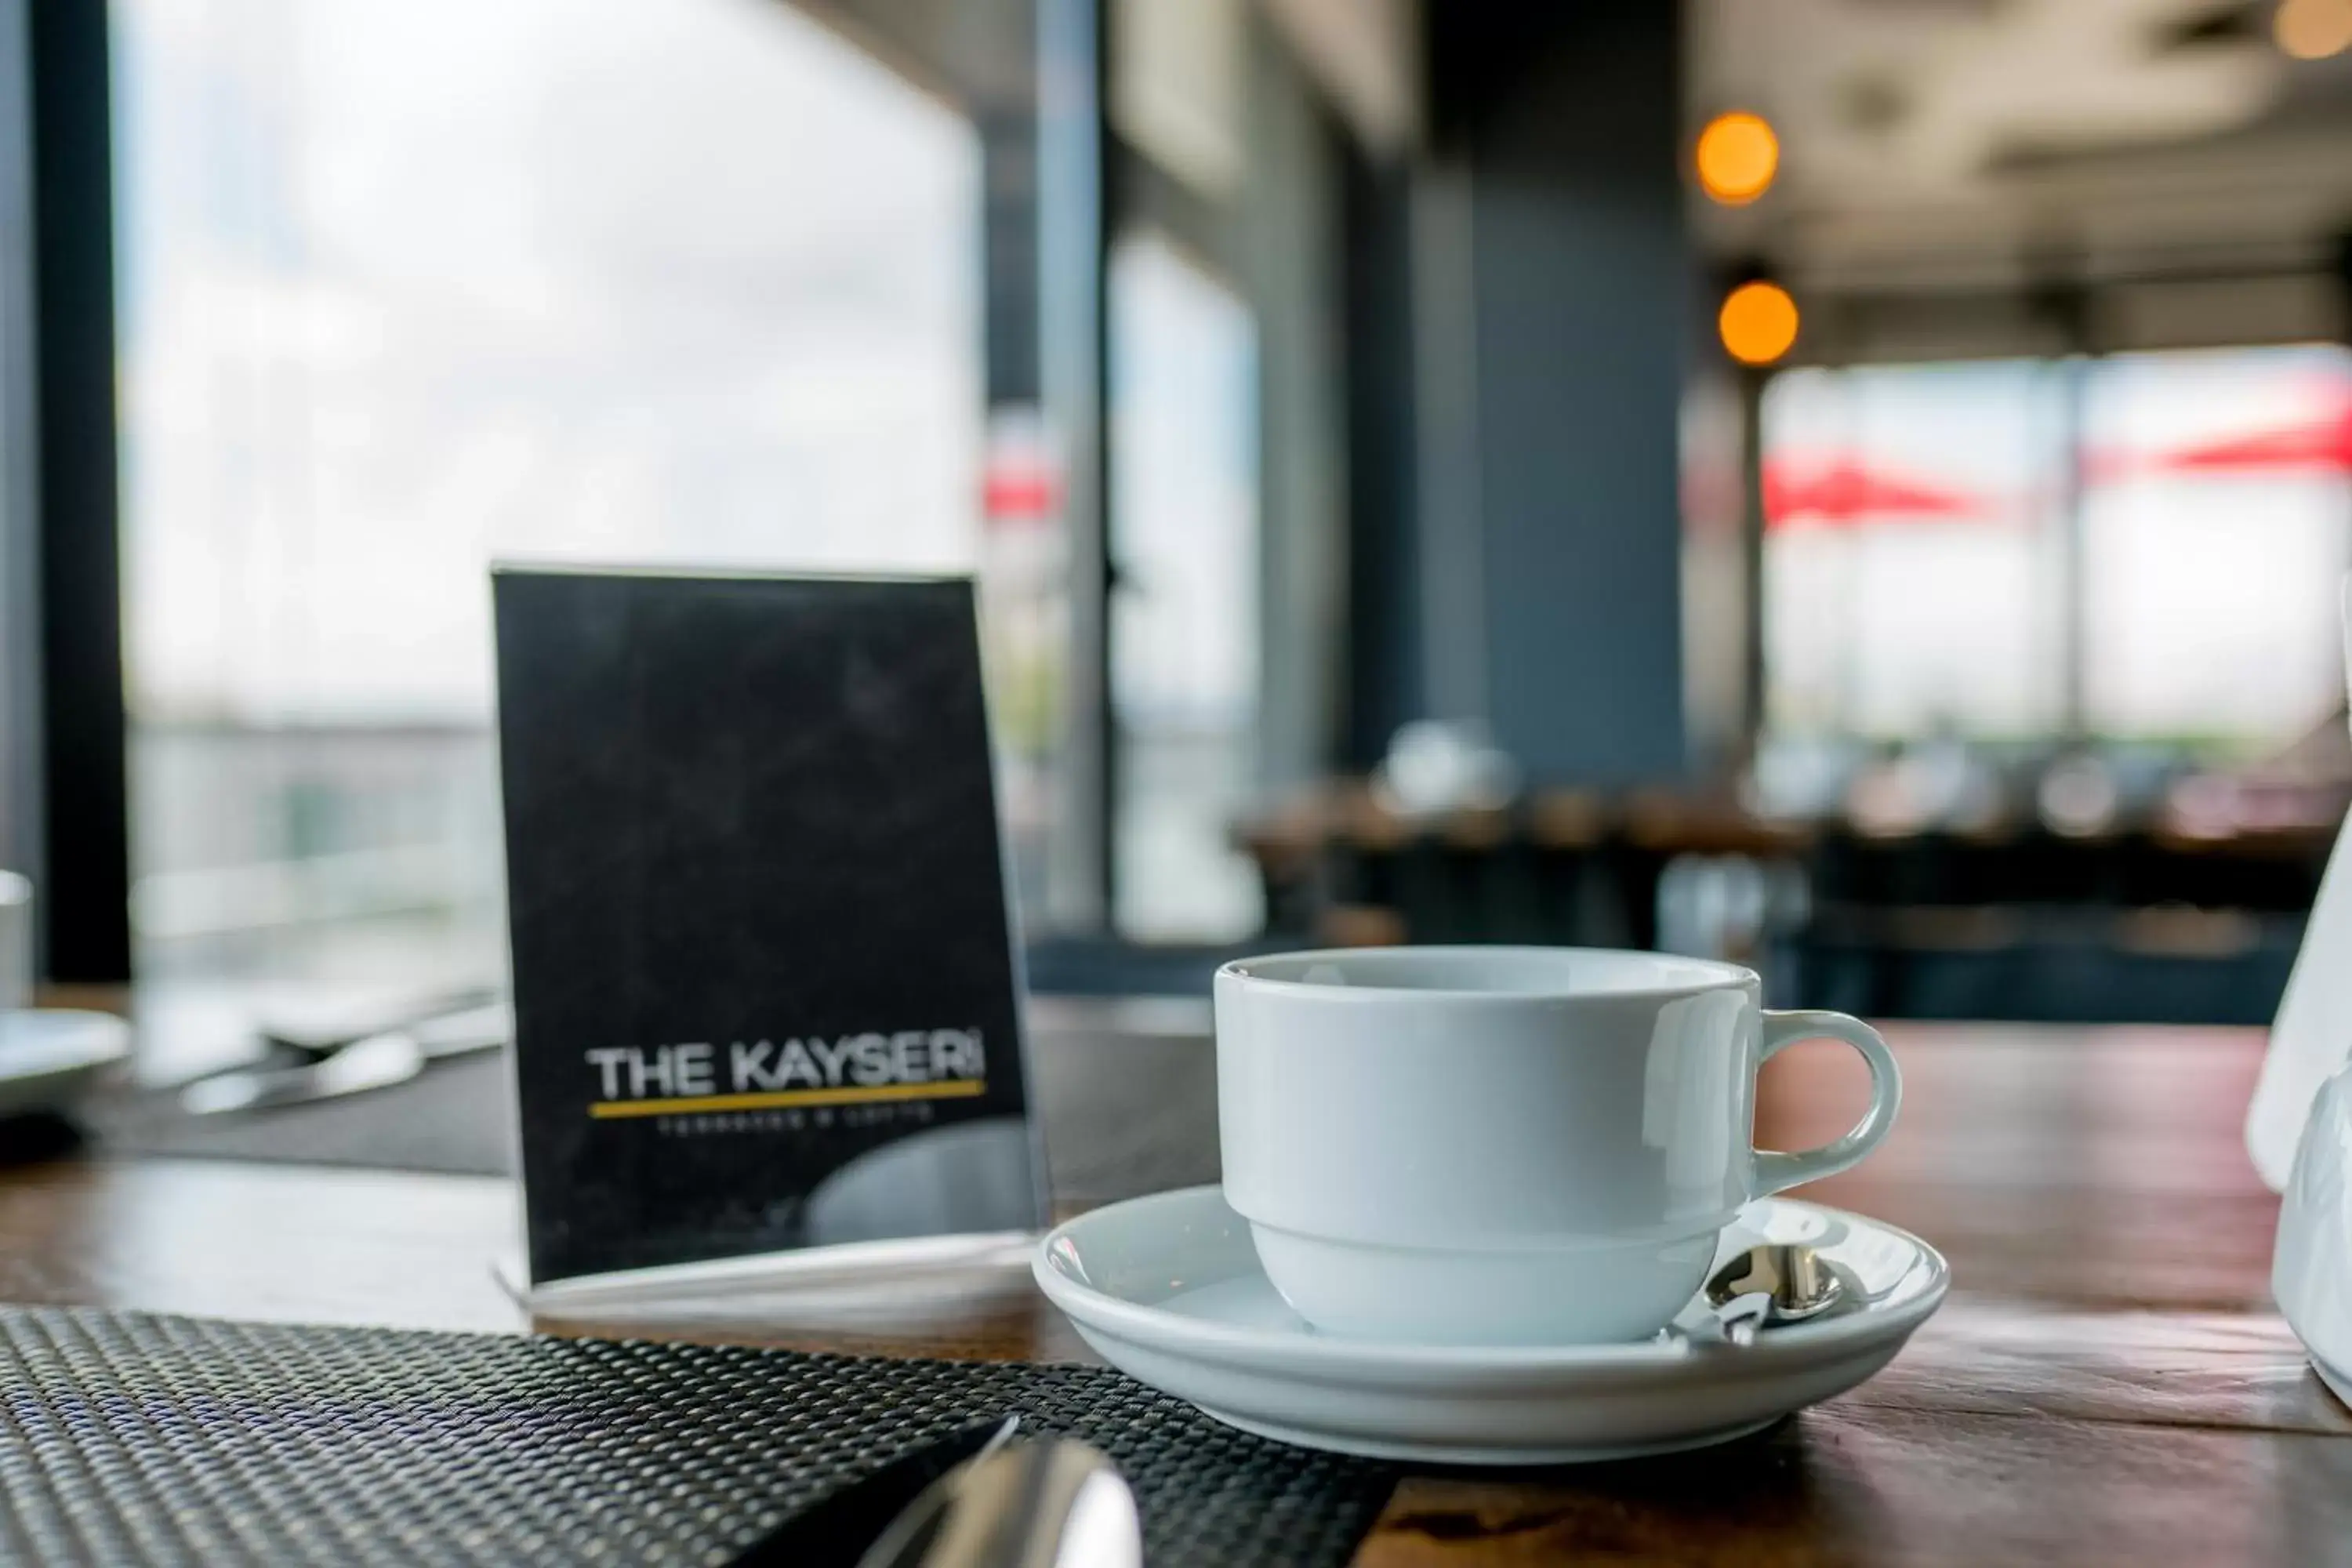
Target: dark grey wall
(1567, 121)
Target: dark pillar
(1753, 694)
(87, 893)
(1008, 161)
(1291, 212)
(2064, 304)
(1567, 121)
(1073, 214)
(1385, 686)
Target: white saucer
(50, 1057)
(1168, 1288)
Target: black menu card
(764, 980)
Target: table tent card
(766, 995)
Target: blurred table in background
(2141, 920)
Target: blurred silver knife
(379, 1061)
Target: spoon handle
(1740, 1316)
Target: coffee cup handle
(1775, 1170)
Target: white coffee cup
(15, 942)
(1504, 1145)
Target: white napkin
(2312, 1035)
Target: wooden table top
(2106, 1383)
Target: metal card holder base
(915, 1284)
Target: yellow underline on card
(947, 1089)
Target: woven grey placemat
(132, 1438)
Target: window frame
(64, 738)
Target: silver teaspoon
(1764, 1287)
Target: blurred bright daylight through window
(690, 282)
(1916, 549)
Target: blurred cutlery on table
(295, 1074)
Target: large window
(2216, 534)
(1184, 619)
(410, 285)
(1909, 546)
(1942, 539)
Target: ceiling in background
(1958, 143)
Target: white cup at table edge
(15, 942)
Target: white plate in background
(51, 1057)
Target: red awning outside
(1844, 490)
(2320, 442)
(2323, 442)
